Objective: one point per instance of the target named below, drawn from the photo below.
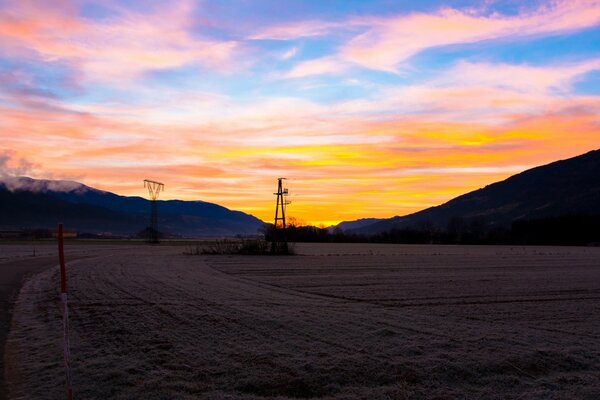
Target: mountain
(566, 187)
(357, 224)
(32, 203)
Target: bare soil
(335, 322)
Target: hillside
(566, 187)
(357, 224)
(31, 203)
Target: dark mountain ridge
(565, 187)
(32, 203)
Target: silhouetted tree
(564, 230)
(456, 230)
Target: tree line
(568, 230)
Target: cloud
(289, 53)
(480, 92)
(117, 48)
(384, 42)
(12, 165)
(520, 78)
(320, 66)
(426, 158)
(15, 183)
(388, 41)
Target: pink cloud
(118, 48)
(13, 165)
(289, 54)
(389, 41)
(520, 78)
(482, 92)
(320, 66)
(385, 42)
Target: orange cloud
(342, 166)
(329, 183)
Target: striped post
(63, 296)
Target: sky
(370, 108)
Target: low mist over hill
(566, 187)
(27, 203)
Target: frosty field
(334, 322)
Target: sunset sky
(372, 108)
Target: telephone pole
(154, 189)
(279, 243)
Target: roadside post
(65, 308)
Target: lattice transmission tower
(154, 189)
(279, 243)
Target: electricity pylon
(279, 243)
(154, 189)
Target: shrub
(243, 246)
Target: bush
(243, 246)
(254, 247)
(224, 246)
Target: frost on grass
(337, 322)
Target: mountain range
(32, 203)
(565, 187)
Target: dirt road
(12, 274)
(19, 261)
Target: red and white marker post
(63, 296)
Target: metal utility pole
(154, 189)
(279, 243)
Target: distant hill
(32, 203)
(566, 187)
(357, 224)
